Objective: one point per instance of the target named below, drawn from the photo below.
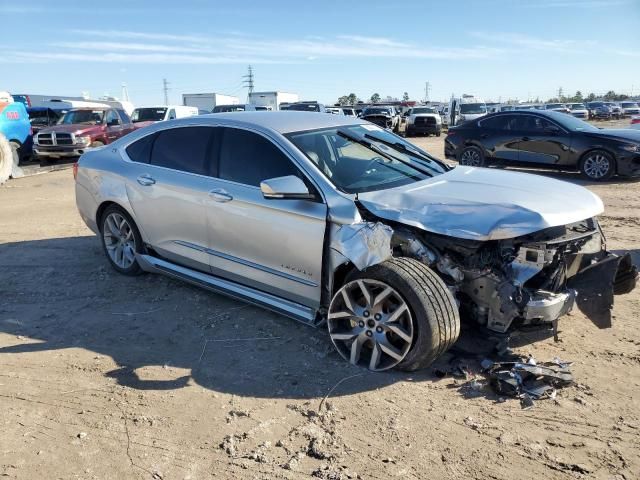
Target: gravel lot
(104, 376)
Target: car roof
(281, 121)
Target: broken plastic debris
(364, 244)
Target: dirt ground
(109, 377)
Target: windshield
(572, 123)
(376, 111)
(148, 114)
(82, 117)
(355, 168)
(473, 108)
(39, 117)
(629, 105)
(577, 106)
(228, 108)
(423, 110)
(555, 105)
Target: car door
(114, 126)
(275, 245)
(498, 137)
(542, 141)
(169, 193)
(127, 124)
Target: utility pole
(165, 88)
(248, 82)
(125, 93)
(560, 94)
(427, 88)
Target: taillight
(75, 171)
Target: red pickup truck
(81, 129)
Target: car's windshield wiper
(399, 147)
(378, 150)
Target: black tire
(438, 134)
(97, 143)
(434, 310)
(591, 160)
(471, 156)
(134, 269)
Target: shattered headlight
(630, 147)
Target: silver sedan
(332, 220)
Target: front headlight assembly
(630, 147)
(83, 140)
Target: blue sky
(321, 49)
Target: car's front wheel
(472, 157)
(395, 314)
(121, 240)
(597, 165)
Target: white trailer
(465, 108)
(206, 101)
(272, 99)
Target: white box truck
(272, 99)
(206, 101)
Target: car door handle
(146, 180)
(220, 195)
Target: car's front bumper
(413, 128)
(59, 151)
(628, 164)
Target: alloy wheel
(596, 166)
(119, 240)
(471, 158)
(370, 324)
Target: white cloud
(117, 46)
(534, 43)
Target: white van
(143, 116)
(465, 108)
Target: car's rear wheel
(395, 314)
(597, 165)
(121, 240)
(472, 157)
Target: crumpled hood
(484, 204)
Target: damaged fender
(364, 244)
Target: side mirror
(289, 187)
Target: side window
(140, 150)
(499, 122)
(531, 123)
(249, 158)
(124, 116)
(185, 149)
(112, 118)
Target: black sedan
(545, 139)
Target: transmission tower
(125, 93)
(248, 82)
(165, 88)
(427, 88)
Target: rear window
(140, 150)
(184, 149)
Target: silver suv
(331, 219)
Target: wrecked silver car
(333, 220)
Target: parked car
(15, 126)
(635, 122)
(265, 108)
(599, 111)
(578, 110)
(616, 110)
(145, 116)
(243, 107)
(305, 107)
(557, 107)
(384, 116)
(329, 219)
(546, 139)
(81, 129)
(42, 117)
(466, 108)
(422, 121)
(16, 132)
(630, 108)
(444, 115)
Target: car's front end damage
(517, 261)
